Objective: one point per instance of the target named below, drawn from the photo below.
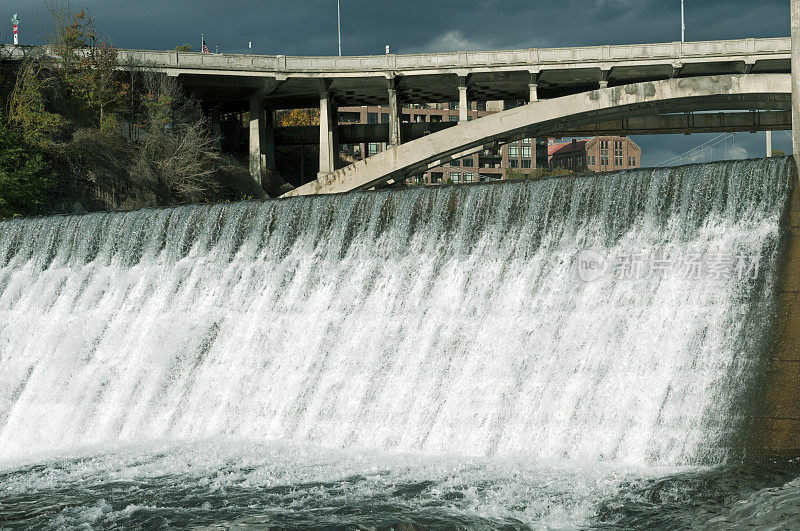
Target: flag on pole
(387, 48)
(15, 22)
(205, 46)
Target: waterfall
(450, 320)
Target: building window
(634, 161)
(513, 150)
(526, 152)
(526, 141)
(514, 163)
(526, 163)
(436, 177)
(373, 148)
(469, 177)
(455, 163)
(481, 105)
(453, 106)
(452, 118)
(385, 118)
(467, 163)
(372, 117)
(455, 177)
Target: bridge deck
(292, 82)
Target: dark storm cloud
(308, 27)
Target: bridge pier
(257, 125)
(463, 103)
(533, 88)
(395, 113)
(604, 78)
(328, 141)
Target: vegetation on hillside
(25, 178)
(92, 137)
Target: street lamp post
(339, 17)
(683, 24)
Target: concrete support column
(463, 103)
(534, 92)
(533, 88)
(256, 129)
(604, 78)
(395, 114)
(795, 7)
(328, 145)
(769, 144)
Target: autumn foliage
(297, 117)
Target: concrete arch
(725, 92)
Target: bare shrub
(176, 148)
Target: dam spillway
(453, 321)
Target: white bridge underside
(725, 92)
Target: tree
(778, 153)
(96, 80)
(87, 62)
(297, 117)
(29, 107)
(25, 178)
(184, 48)
(177, 150)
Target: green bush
(25, 178)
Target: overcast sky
(308, 27)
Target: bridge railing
(530, 58)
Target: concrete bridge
(743, 91)
(262, 84)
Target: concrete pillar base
(395, 113)
(328, 142)
(256, 141)
(463, 102)
(534, 92)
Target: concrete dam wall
(627, 317)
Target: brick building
(598, 154)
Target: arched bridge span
(711, 93)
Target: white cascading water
(430, 321)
